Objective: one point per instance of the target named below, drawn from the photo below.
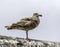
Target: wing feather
(27, 19)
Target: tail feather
(13, 26)
(8, 28)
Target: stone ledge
(22, 42)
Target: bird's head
(37, 15)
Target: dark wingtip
(7, 27)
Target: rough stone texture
(21, 42)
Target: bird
(26, 24)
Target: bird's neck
(35, 18)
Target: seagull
(26, 24)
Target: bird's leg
(26, 34)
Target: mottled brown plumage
(26, 24)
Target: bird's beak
(40, 15)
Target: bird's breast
(29, 25)
(32, 25)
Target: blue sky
(13, 10)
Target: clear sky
(13, 10)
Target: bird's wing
(25, 21)
(21, 23)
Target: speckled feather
(26, 23)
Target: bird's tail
(13, 26)
(8, 27)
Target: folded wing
(23, 24)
